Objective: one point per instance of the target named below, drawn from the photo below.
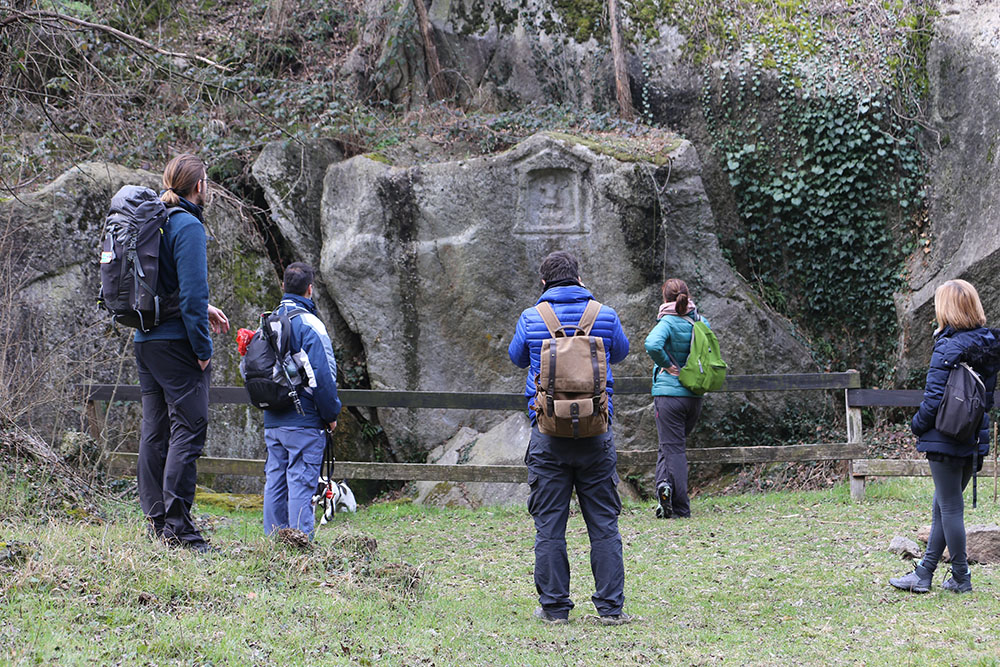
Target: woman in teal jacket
(677, 409)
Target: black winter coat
(980, 348)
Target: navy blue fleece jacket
(184, 268)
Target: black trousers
(557, 466)
(174, 425)
(676, 417)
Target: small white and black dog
(335, 497)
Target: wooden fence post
(95, 420)
(854, 438)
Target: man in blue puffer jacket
(296, 442)
(558, 465)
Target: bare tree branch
(39, 15)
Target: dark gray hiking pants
(948, 518)
(676, 417)
(174, 424)
(557, 466)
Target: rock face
(56, 237)
(431, 266)
(964, 69)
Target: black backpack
(960, 414)
(130, 260)
(271, 374)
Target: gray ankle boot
(918, 581)
(959, 582)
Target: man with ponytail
(173, 362)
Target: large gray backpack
(130, 259)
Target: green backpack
(705, 370)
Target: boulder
(982, 543)
(504, 444)
(431, 265)
(963, 232)
(904, 546)
(54, 237)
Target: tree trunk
(439, 86)
(622, 90)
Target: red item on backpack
(243, 337)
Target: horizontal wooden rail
(379, 398)
(891, 398)
(126, 462)
(730, 455)
(902, 468)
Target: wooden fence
(850, 449)
(861, 469)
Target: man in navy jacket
(296, 442)
(558, 465)
(173, 362)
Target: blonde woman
(961, 336)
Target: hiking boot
(664, 510)
(200, 547)
(958, 583)
(918, 581)
(546, 617)
(615, 619)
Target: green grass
(756, 579)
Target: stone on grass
(904, 546)
(982, 543)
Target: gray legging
(948, 523)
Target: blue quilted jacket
(980, 348)
(568, 302)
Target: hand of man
(332, 426)
(204, 363)
(217, 320)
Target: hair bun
(682, 304)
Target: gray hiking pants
(174, 425)
(676, 417)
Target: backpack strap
(589, 316)
(552, 322)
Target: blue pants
(294, 457)
(557, 466)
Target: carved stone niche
(554, 193)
